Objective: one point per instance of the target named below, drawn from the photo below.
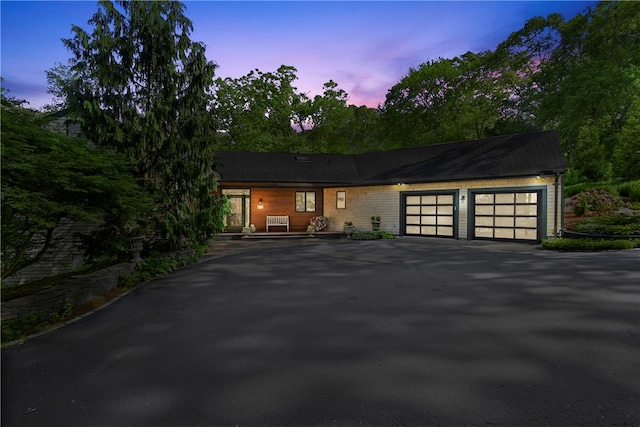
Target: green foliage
(572, 190)
(140, 86)
(371, 235)
(21, 327)
(67, 309)
(618, 225)
(82, 184)
(630, 190)
(579, 77)
(589, 89)
(564, 244)
(597, 202)
(258, 110)
(626, 156)
(590, 155)
(263, 111)
(454, 99)
(157, 265)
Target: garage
(430, 214)
(507, 214)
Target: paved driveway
(383, 333)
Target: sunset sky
(365, 47)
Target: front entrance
(430, 214)
(240, 201)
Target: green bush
(618, 225)
(371, 235)
(153, 266)
(563, 244)
(156, 265)
(21, 327)
(572, 190)
(630, 190)
(594, 201)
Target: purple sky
(365, 47)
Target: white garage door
(513, 215)
(430, 214)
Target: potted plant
(375, 222)
(311, 230)
(348, 228)
(135, 241)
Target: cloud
(27, 88)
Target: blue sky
(365, 47)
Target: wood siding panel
(282, 201)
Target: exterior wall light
(260, 205)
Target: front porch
(281, 235)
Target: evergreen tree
(140, 85)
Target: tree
(336, 127)
(450, 99)
(141, 86)
(590, 82)
(81, 184)
(626, 156)
(260, 110)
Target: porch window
(305, 201)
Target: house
(60, 122)
(501, 188)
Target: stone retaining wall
(76, 291)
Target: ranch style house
(500, 188)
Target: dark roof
(525, 154)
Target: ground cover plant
(157, 265)
(564, 244)
(371, 235)
(617, 225)
(628, 190)
(595, 207)
(592, 202)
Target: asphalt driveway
(382, 333)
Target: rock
(624, 212)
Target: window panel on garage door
(506, 215)
(430, 215)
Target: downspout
(555, 208)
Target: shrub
(21, 327)
(563, 244)
(618, 225)
(597, 202)
(630, 190)
(575, 189)
(154, 266)
(371, 235)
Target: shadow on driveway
(379, 333)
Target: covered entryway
(506, 214)
(430, 214)
(240, 201)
